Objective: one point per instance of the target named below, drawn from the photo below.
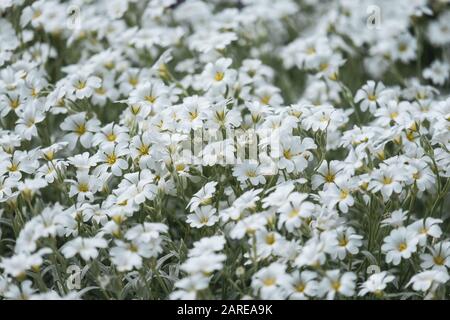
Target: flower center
(111, 159)
(402, 247)
(204, 220)
(30, 122)
(83, 187)
(270, 239)
(193, 115)
(14, 104)
(150, 99)
(143, 150)
(111, 137)
(311, 51)
(219, 76)
(402, 47)
(251, 173)
(80, 129)
(269, 281)
(300, 287)
(265, 99)
(293, 213)
(37, 14)
(439, 260)
(393, 115)
(287, 154)
(100, 91)
(323, 66)
(135, 109)
(336, 285)
(13, 167)
(343, 242)
(133, 81)
(343, 194)
(80, 84)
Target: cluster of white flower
(224, 149)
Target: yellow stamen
(270, 239)
(265, 99)
(219, 76)
(81, 129)
(111, 159)
(83, 187)
(150, 99)
(111, 137)
(269, 282)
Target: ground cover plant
(251, 149)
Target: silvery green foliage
(232, 149)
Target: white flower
(427, 280)
(249, 171)
(267, 242)
(151, 95)
(129, 255)
(203, 196)
(248, 226)
(22, 292)
(348, 242)
(80, 129)
(207, 245)
(111, 157)
(193, 113)
(7, 184)
(371, 96)
(217, 75)
(336, 284)
(202, 217)
(278, 196)
(400, 243)
(189, 287)
(31, 115)
(426, 227)
(327, 174)
(404, 48)
(268, 281)
(395, 218)
(339, 194)
(83, 86)
(376, 283)
(247, 201)
(83, 162)
(87, 248)
(20, 162)
(294, 210)
(136, 187)
(294, 154)
(84, 187)
(387, 180)
(438, 258)
(312, 253)
(204, 264)
(146, 232)
(438, 72)
(302, 285)
(19, 263)
(111, 134)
